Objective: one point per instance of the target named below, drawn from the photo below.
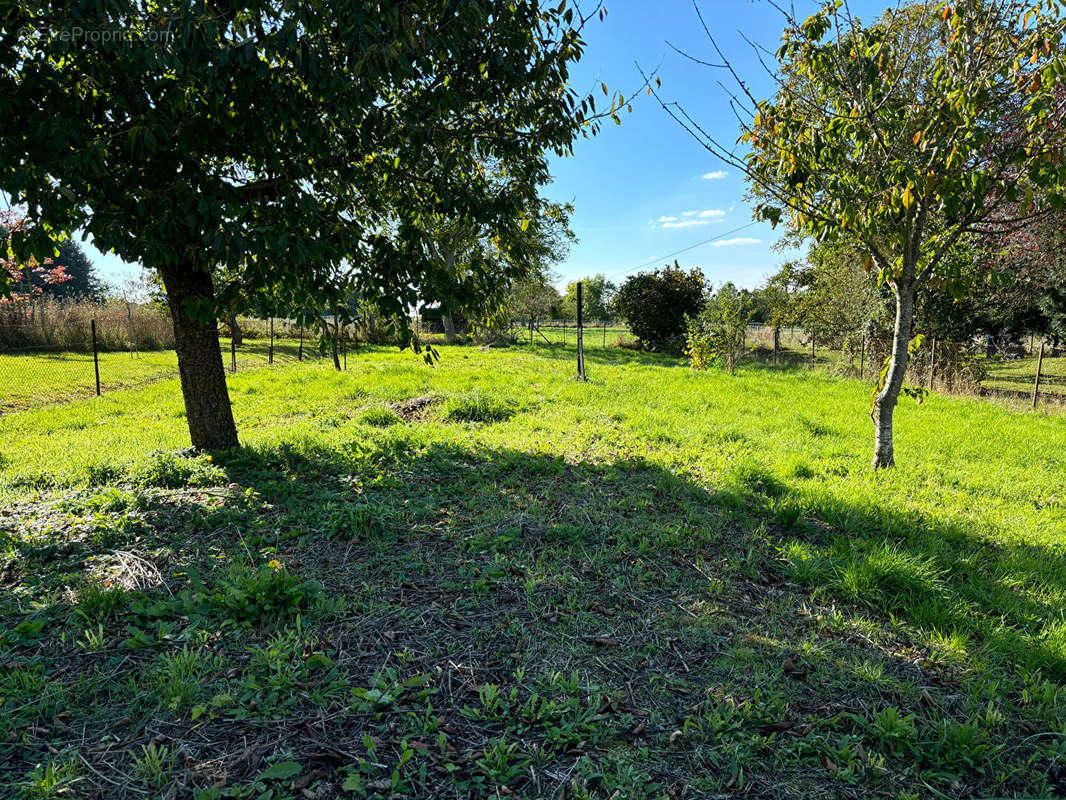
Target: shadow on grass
(481, 567)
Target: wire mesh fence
(600, 334)
(44, 373)
(68, 367)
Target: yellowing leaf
(908, 198)
(917, 137)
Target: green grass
(31, 380)
(658, 584)
(596, 336)
(1018, 376)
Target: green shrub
(655, 305)
(717, 335)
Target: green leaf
(281, 771)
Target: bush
(717, 335)
(655, 305)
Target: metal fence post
(96, 357)
(932, 362)
(1039, 368)
(129, 321)
(580, 339)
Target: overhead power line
(683, 250)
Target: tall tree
(1030, 295)
(478, 274)
(780, 297)
(84, 282)
(905, 136)
(534, 298)
(840, 296)
(315, 144)
(597, 298)
(25, 278)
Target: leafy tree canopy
(314, 147)
(937, 121)
(597, 295)
(656, 303)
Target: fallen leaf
(605, 641)
(771, 727)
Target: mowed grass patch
(35, 379)
(658, 584)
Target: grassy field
(36, 379)
(596, 336)
(485, 579)
(1018, 376)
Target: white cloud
(686, 223)
(736, 241)
(690, 219)
(717, 175)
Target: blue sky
(635, 186)
(646, 189)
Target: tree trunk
(203, 377)
(885, 402)
(777, 343)
(449, 328)
(336, 338)
(235, 331)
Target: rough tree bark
(885, 401)
(203, 377)
(449, 328)
(336, 339)
(446, 317)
